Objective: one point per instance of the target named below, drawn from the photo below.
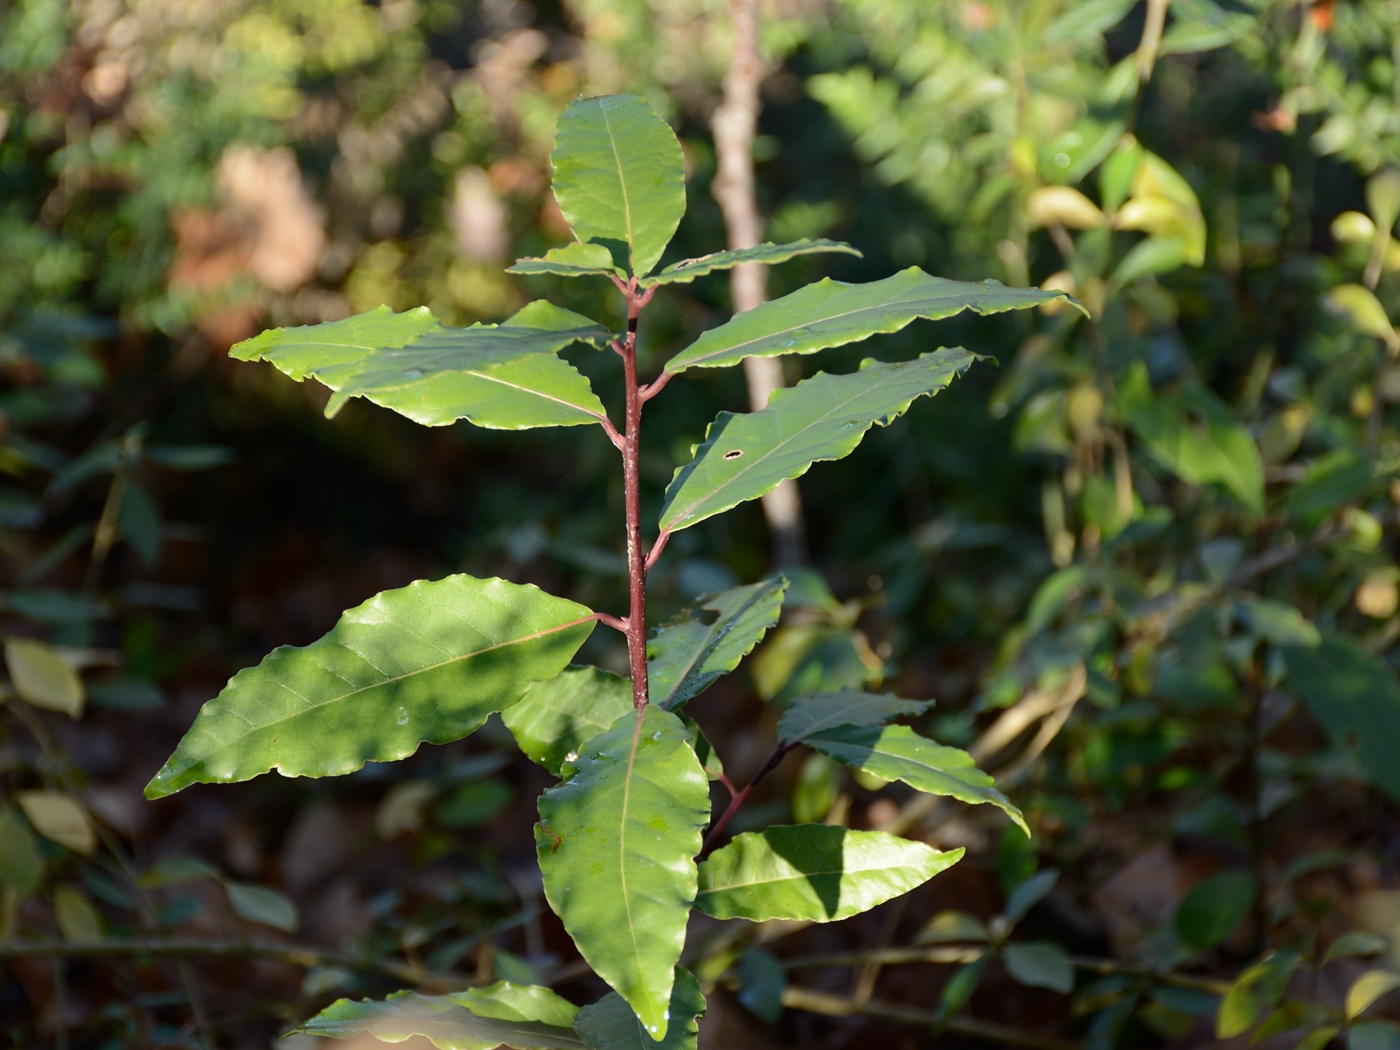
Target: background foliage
(1147, 566)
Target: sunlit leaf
(1367, 988)
(616, 844)
(1254, 992)
(42, 678)
(504, 376)
(555, 718)
(687, 655)
(619, 178)
(767, 253)
(898, 753)
(813, 872)
(821, 418)
(832, 313)
(423, 663)
(481, 1019)
(572, 260)
(1357, 307)
(610, 1024)
(812, 714)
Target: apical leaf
(1040, 964)
(1355, 696)
(616, 844)
(767, 253)
(686, 656)
(21, 863)
(1367, 988)
(423, 663)
(504, 376)
(761, 983)
(75, 915)
(1254, 992)
(556, 717)
(619, 178)
(898, 753)
(1277, 623)
(833, 313)
(263, 905)
(813, 872)
(610, 1024)
(485, 1022)
(821, 418)
(812, 714)
(42, 678)
(573, 260)
(1214, 907)
(59, 819)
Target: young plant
(620, 835)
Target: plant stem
(738, 798)
(632, 485)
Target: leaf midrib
(622, 182)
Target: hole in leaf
(734, 453)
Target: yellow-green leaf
(42, 678)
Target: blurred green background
(1146, 561)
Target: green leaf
(704, 750)
(517, 1002)
(958, 990)
(953, 927)
(767, 254)
(686, 656)
(616, 844)
(1357, 307)
(1028, 894)
(1085, 20)
(1194, 436)
(1355, 696)
(1367, 988)
(427, 662)
(1355, 943)
(833, 313)
(21, 863)
(1277, 622)
(610, 1024)
(1366, 1035)
(1040, 964)
(58, 818)
(1318, 1038)
(448, 1023)
(75, 915)
(1254, 992)
(555, 718)
(263, 905)
(898, 753)
(812, 714)
(504, 376)
(761, 983)
(572, 260)
(813, 872)
(42, 678)
(619, 178)
(138, 520)
(1214, 907)
(821, 418)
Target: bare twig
(735, 123)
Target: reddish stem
(657, 548)
(631, 478)
(738, 799)
(612, 621)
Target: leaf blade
(832, 313)
(821, 418)
(898, 753)
(578, 259)
(849, 707)
(423, 663)
(767, 254)
(556, 717)
(813, 872)
(445, 1021)
(619, 177)
(610, 1024)
(616, 845)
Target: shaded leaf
(832, 313)
(1028, 894)
(263, 905)
(744, 456)
(898, 753)
(619, 178)
(139, 523)
(447, 1023)
(704, 750)
(616, 844)
(812, 714)
(75, 915)
(767, 253)
(1367, 1035)
(610, 1024)
(958, 990)
(59, 819)
(423, 663)
(572, 260)
(1355, 943)
(1214, 907)
(1040, 964)
(951, 927)
(813, 872)
(686, 656)
(21, 863)
(42, 678)
(504, 376)
(1355, 696)
(555, 718)
(761, 983)
(1254, 992)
